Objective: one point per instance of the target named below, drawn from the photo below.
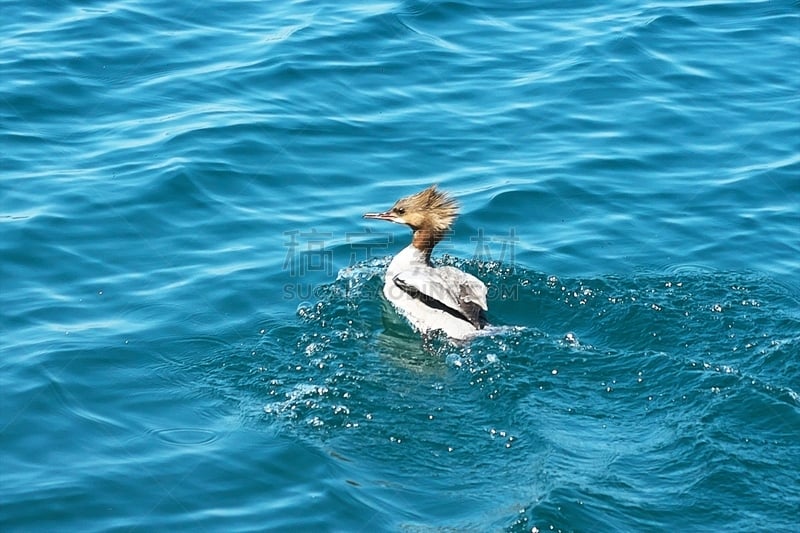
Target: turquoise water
(193, 333)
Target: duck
(431, 297)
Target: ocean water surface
(193, 332)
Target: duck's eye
(400, 210)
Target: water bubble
(455, 360)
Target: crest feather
(440, 208)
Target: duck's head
(429, 210)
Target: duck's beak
(387, 215)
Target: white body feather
(434, 298)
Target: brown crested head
(430, 209)
(430, 213)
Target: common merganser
(431, 297)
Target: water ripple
(628, 182)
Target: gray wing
(447, 288)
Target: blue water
(193, 336)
